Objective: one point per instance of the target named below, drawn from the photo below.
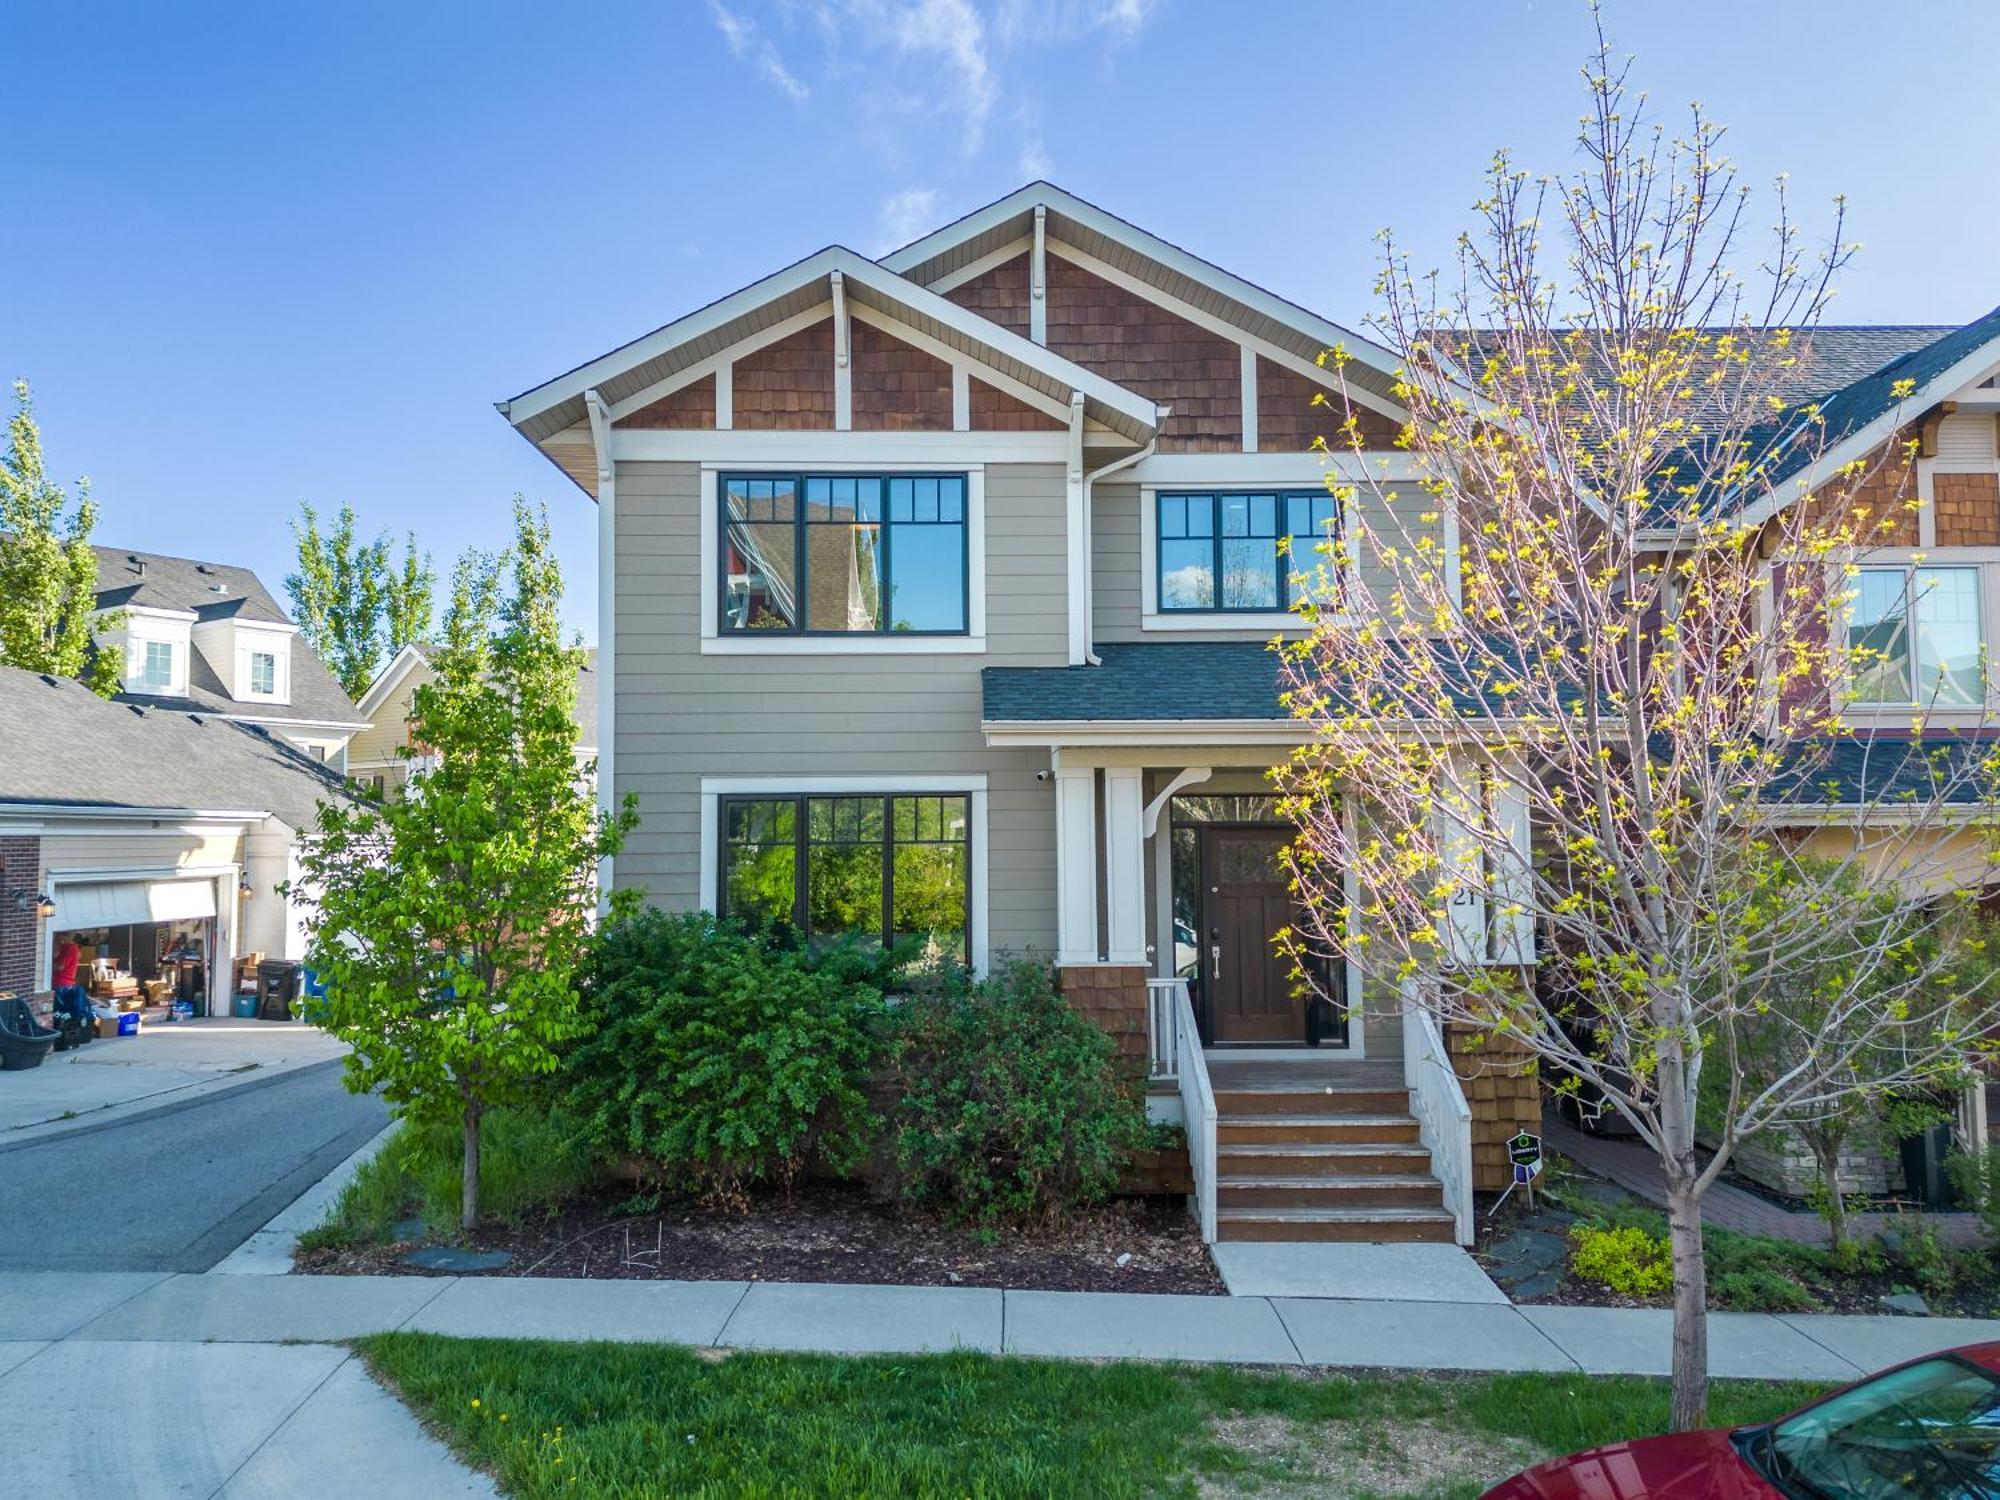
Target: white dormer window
(156, 665)
(264, 672)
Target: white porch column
(1076, 865)
(1125, 865)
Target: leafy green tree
(353, 607)
(451, 922)
(48, 573)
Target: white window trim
(971, 784)
(1262, 623)
(1985, 562)
(715, 643)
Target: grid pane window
(844, 554)
(263, 672)
(1254, 551)
(893, 868)
(157, 665)
(1914, 636)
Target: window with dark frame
(885, 868)
(843, 554)
(1245, 551)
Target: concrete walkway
(83, 1308)
(117, 1078)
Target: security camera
(1042, 775)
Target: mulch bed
(830, 1234)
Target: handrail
(1162, 1056)
(1197, 1108)
(1437, 1099)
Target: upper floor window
(1914, 637)
(844, 554)
(1254, 551)
(156, 664)
(263, 672)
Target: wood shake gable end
(1288, 420)
(999, 295)
(897, 387)
(691, 408)
(787, 385)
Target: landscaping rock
(1905, 1304)
(1524, 1254)
(1535, 1287)
(450, 1258)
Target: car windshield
(1927, 1432)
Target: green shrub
(530, 1161)
(1975, 1177)
(1760, 1290)
(1629, 1261)
(1011, 1104)
(723, 1061)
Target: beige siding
(389, 727)
(683, 715)
(1118, 559)
(64, 852)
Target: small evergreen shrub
(1011, 1107)
(723, 1061)
(1759, 1290)
(1630, 1261)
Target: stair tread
(1323, 1148)
(1303, 1215)
(1355, 1120)
(1381, 1180)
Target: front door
(1246, 900)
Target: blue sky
(259, 253)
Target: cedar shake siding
(993, 410)
(786, 386)
(690, 407)
(1883, 509)
(999, 295)
(1146, 349)
(1968, 509)
(897, 388)
(1288, 421)
(684, 715)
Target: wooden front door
(1245, 901)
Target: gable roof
(1157, 262)
(218, 591)
(417, 653)
(61, 743)
(557, 404)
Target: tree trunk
(1826, 1155)
(1690, 1386)
(468, 1199)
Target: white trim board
(970, 783)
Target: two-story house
(967, 559)
(208, 638)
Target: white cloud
(908, 215)
(747, 43)
(949, 34)
(1026, 22)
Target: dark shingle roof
(1886, 767)
(217, 591)
(60, 743)
(1153, 680)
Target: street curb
(268, 1252)
(140, 1109)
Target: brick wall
(1114, 997)
(1968, 509)
(20, 931)
(690, 407)
(1500, 1083)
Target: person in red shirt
(70, 998)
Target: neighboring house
(374, 756)
(203, 637)
(146, 828)
(960, 566)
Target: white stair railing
(1444, 1119)
(1162, 1056)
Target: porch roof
(1160, 680)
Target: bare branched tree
(1601, 717)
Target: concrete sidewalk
(116, 1078)
(84, 1308)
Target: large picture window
(1254, 551)
(1914, 636)
(883, 868)
(843, 554)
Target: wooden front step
(1334, 1099)
(1349, 1225)
(1329, 1192)
(1260, 1130)
(1321, 1159)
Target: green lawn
(620, 1420)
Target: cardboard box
(124, 1024)
(158, 991)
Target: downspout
(607, 621)
(1090, 655)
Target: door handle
(1215, 962)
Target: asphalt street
(178, 1188)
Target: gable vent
(1965, 440)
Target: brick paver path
(1636, 1170)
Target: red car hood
(1683, 1466)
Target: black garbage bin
(277, 988)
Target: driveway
(177, 1186)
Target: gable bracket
(1038, 280)
(843, 367)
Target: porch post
(1076, 865)
(1125, 865)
